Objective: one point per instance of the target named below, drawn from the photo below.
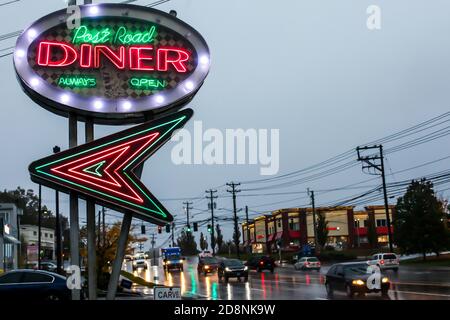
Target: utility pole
(233, 191)
(313, 204)
(371, 163)
(248, 229)
(211, 201)
(187, 208)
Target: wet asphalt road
(410, 283)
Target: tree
(187, 243)
(322, 229)
(419, 220)
(372, 236)
(236, 237)
(106, 250)
(219, 238)
(29, 203)
(203, 242)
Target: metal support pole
(90, 213)
(73, 207)
(58, 236)
(120, 253)
(39, 227)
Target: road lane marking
(422, 293)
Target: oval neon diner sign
(121, 64)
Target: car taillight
(261, 262)
(381, 261)
(306, 263)
(318, 263)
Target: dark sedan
(232, 268)
(355, 277)
(260, 263)
(33, 284)
(207, 265)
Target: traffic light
(142, 229)
(209, 228)
(167, 228)
(159, 229)
(188, 228)
(195, 226)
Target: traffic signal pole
(211, 199)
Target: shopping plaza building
(292, 228)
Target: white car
(139, 262)
(307, 263)
(385, 261)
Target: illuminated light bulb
(204, 60)
(34, 82)
(32, 33)
(127, 105)
(93, 10)
(20, 53)
(189, 85)
(98, 104)
(65, 98)
(159, 99)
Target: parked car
(260, 263)
(308, 263)
(139, 262)
(45, 265)
(352, 277)
(385, 261)
(207, 265)
(232, 268)
(33, 285)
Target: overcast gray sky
(309, 68)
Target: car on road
(308, 263)
(172, 259)
(232, 268)
(355, 277)
(139, 262)
(45, 265)
(385, 261)
(260, 263)
(207, 265)
(27, 284)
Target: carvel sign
(122, 64)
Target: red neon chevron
(115, 159)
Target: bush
(336, 256)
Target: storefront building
(292, 228)
(30, 241)
(9, 236)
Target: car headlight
(206, 267)
(358, 282)
(245, 268)
(385, 280)
(169, 262)
(227, 269)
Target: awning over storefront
(10, 239)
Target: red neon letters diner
(134, 57)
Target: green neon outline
(178, 120)
(97, 167)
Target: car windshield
(356, 269)
(209, 260)
(233, 263)
(390, 256)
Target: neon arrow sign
(105, 169)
